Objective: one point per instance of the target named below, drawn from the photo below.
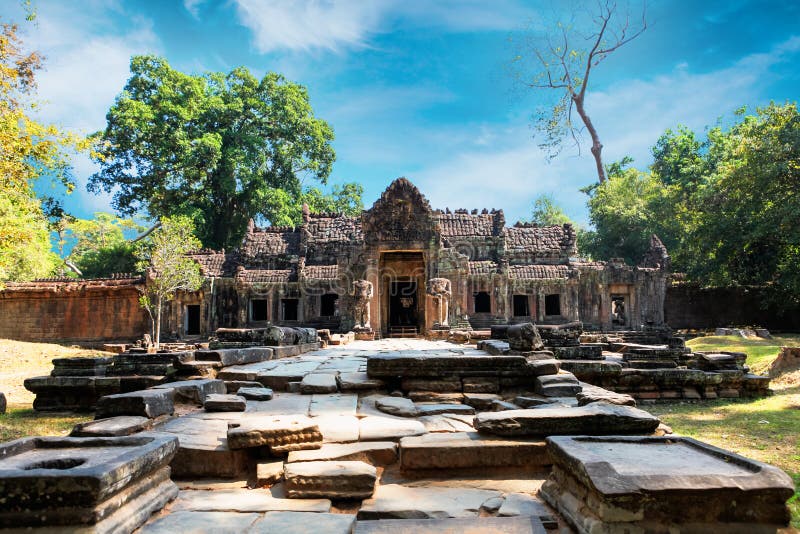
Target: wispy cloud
(336, 25)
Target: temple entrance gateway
(403, 301)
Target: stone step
(332, 479)
(469, 450)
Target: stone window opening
(552, 304)
(289, 309)
(521, 306)
(258, 310)
(483, 303)
(328, 305)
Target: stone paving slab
(303, 523)
(123, 425)
(446, 423)
(333, 404)
(481, 525)
(470, 450)
(516, 504)
(282, 403)
(319, 382)
(377, 428)
(359, 381)
(337, 428)
(378, 453)
(224, 402)
(244, 500)
(201, 523)
(394, 501)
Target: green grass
(766, 429)
(21, 421)
(760, 352)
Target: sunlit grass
(22, 421)
(760, 352)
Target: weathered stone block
(268, 473)
(560, 385)
(149, 403)
(334, 480)
(359, 382)
(439, 385)
(220, 402)
(469, 450)
(318, 383)
(399, 406)
(123, 425)
(378, 453)
(481, 525)
(480, 384)
(593, 419)
(280, 433)
(193, 391)
(255, 393)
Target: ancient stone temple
(402, 266)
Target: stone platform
(393, 435)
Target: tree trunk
(597, 146)
(158, 324)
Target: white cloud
(193, 6)
(337, 24)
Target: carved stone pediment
(401, 215)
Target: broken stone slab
(560, 385)
(318, 383)
(433, 396)
(436, 409)
(303, 523)
(333, 404)
(532, 402)
(280, 433)
(635, 482)
(516, 504)
(593, 419)
(193, 391)
(470, 450)
(399, 406)
(377, 428)
(196, 522)
(233, 386)
(446, 423)
(359, 381)
(501, 405)
(255, 393)
(55, 481)
(203, 449)
(591, 394)
(149, 403)
(377, 453)
(494, 347)
(123, 425)
(480, 525)
(268, 473)
(223, 402)
(480, 401)
(341, 479)
(229, 357)
(244, 501)
(394, 501)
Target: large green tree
(220, 148)
(100, 247)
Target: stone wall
(73, 311)
(691, 306)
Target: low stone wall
(73, 311)
(691, 306)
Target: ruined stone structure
(496, 274)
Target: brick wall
(72, 311)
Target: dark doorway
(258, 310)
(289, 309)
(193, 320)
(327, 306)
(619, 315)
(521, 306)
(483, 303)
(403, 303)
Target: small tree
(168, 268)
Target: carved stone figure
(524, 337)
(439, 288)
(362, 294)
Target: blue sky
(422, 88)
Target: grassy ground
(763, 429)
(20, 360)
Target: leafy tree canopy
(219, 148)
(547, 213)
(29, 151)
(100, 245)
